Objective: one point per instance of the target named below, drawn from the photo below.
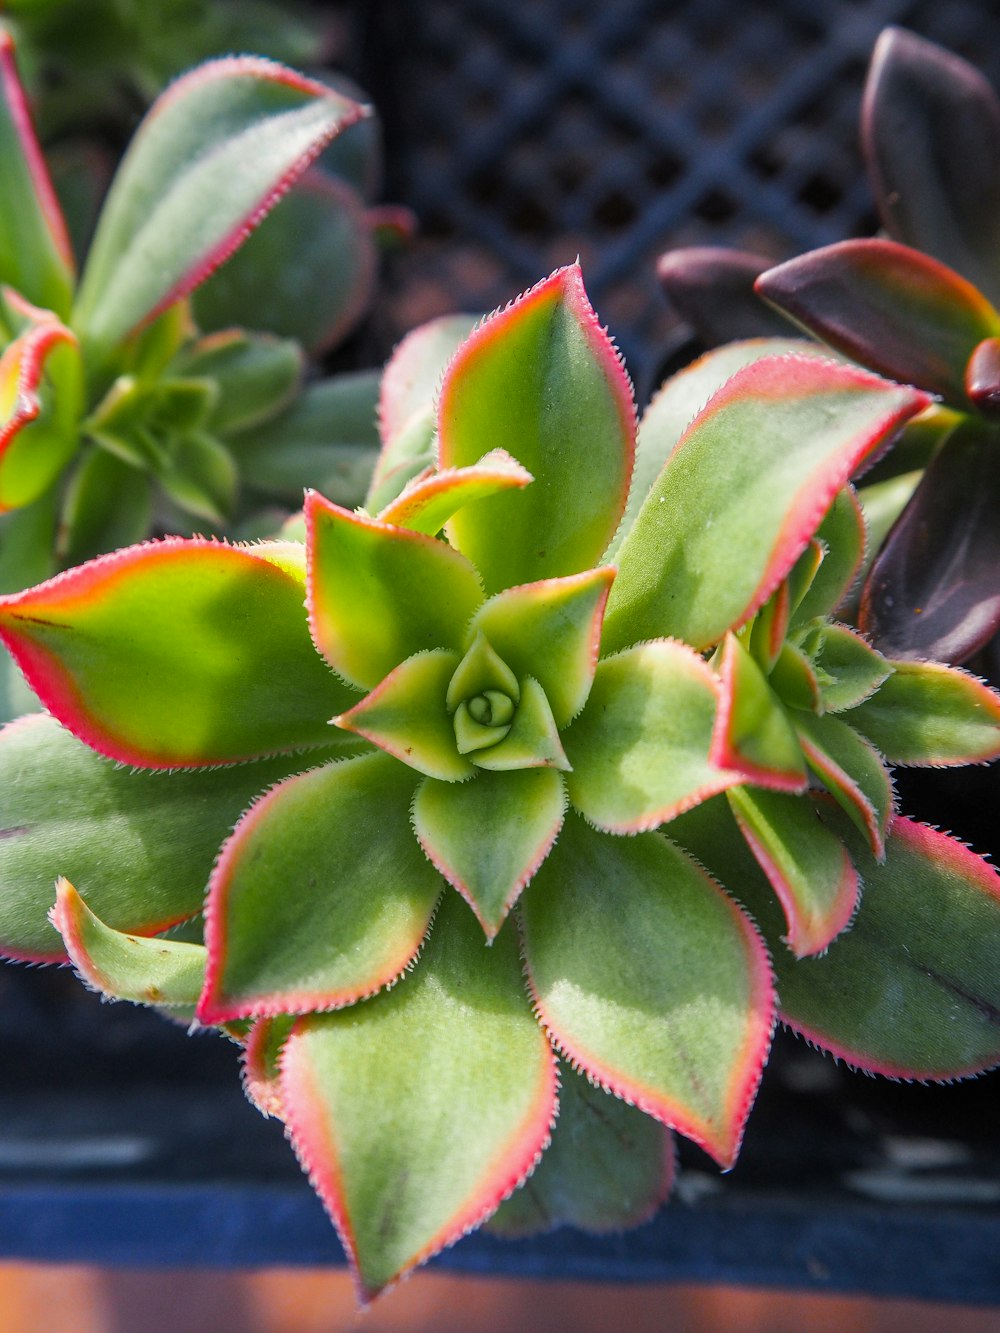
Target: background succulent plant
(917, 306)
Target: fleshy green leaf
(176, 653)
(753, 735)
(930, 129)
(378, 594)
(40, 388)
(406, 716)
(842, 535)
(108, 505)
(640, 748)
(930, 714)
(427, 502)
(407, 401)
(794, 680)
(854, 668)
(550, 630)
(262, 1062)
(674, 1009)
(200, 477)
(807, 866)
(213, 155)
(126, 967)
(327, 439)
(307, 272)
(543, 380)
(850, 768)
(35, 252)
(608, 1168)
(743, 493)
(257, 375)
(417, 1111)
(912, 989)
(489, 836)
(679, 401)
(894, 309)
(141, 845)
(331, 856)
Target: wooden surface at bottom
(86, 1300)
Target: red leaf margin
(314, 1144)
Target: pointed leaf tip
(542, 379)
(415, 1113)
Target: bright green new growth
(471, 724)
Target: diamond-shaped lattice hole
(664, 169)
(820, 193)
(716, 206)
(615, 210)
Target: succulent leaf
(852, 771)
(636, 1014)
(257, 375)
(898, 311)
(608, 1168)
(427, 502)
(930, 714)
(806, 865)
(912, 989)
(407, 401)
(314, 257)
(176, 654)
(327, 439)
(753, 735)
(141, 844)
(40, 388)
(330, 853)
(640, 750)
(678, 402)
(418, 1111)
(550, 630)
(489, 836)
(842, 536)
(852, 670)
(406, 715)
(249, 123)
(35, 253)
(262, 1062)
(543, 380)
(934, 588)
(727, 519)
(711, 287)
(931, 137)
(378, 594)
(122, 966)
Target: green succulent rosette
(435, 808)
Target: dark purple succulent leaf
(982, 377)
(934, 588)
(889, 307)
(931, 135)
(711, 288)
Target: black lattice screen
(526, 133)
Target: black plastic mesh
(525, 134)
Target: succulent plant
(435, 811)
(119, 417)
(917, 305)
